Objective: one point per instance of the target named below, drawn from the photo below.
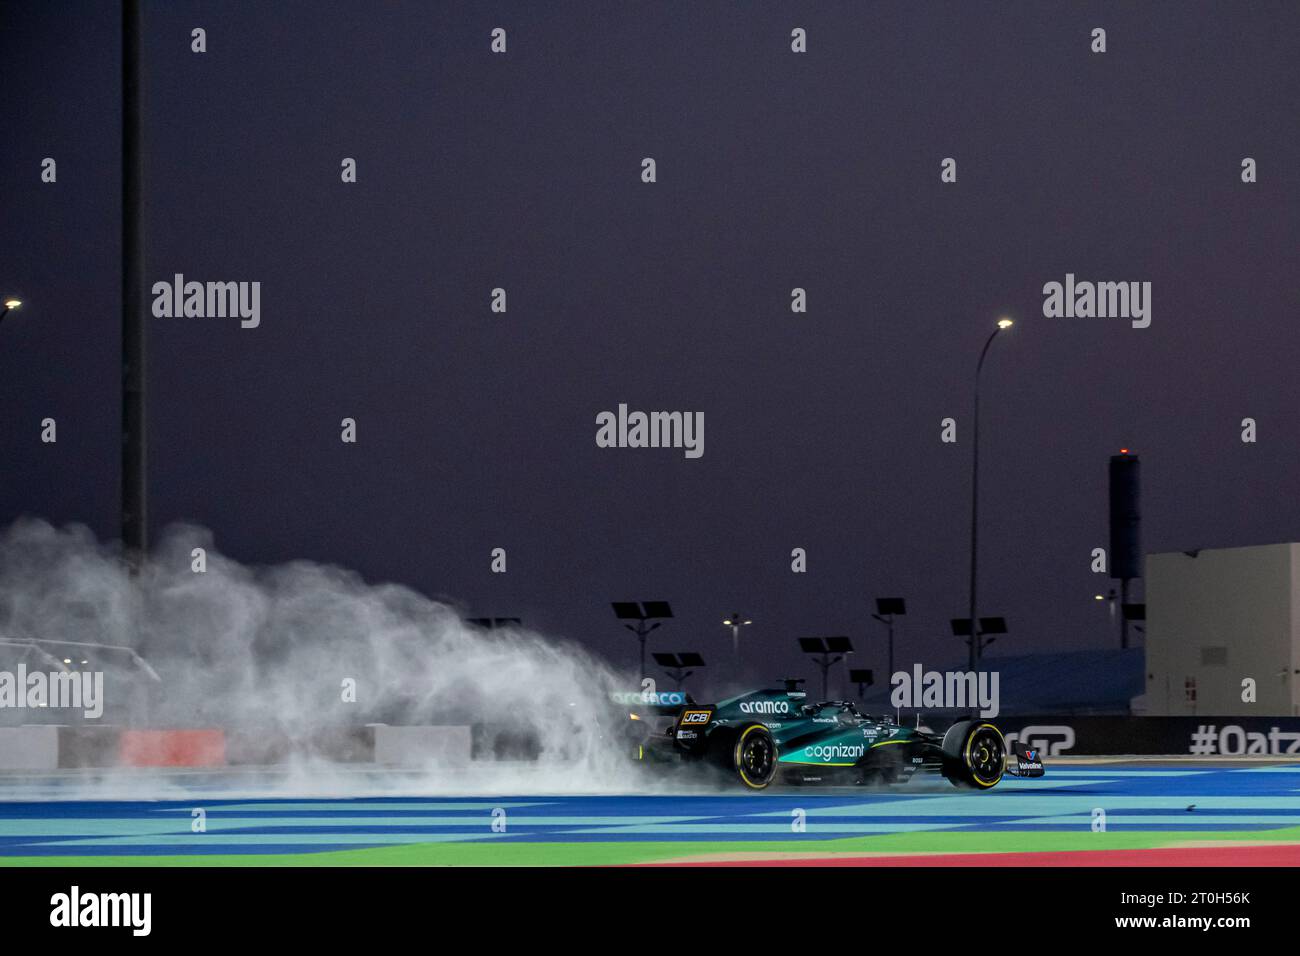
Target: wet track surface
(1145, 799)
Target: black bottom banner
(693, 907)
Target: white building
(1217, 619)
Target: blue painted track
(1150, 799)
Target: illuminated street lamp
(1109, 597)
(736, 622)
(11, 304)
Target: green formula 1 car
(769, 736)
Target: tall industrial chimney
(1125, 527)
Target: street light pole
(134, 489)
(887, 609)
(642, 631)
(643, 612)
(891, 646)
(821, 649)
(974, 500)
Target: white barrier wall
(29, 748)
(420, 746)
(1216, 618)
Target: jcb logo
(695, 717)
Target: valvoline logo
(1032, 755)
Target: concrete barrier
(88, 746)
(418, 746)
(172, 748)
(1208, 736)
(50, 747)
(29, 748)
(267, 747)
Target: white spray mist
(263, 653)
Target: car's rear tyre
(974, 754)
(748, 752)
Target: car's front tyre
(974, 754)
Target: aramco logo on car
(765, 707)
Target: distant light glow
(13, 303)
(1005, 323)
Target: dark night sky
(775, 170)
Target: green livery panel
(778, 735)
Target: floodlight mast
(494, 623)
(674, 665)
(821, 649)
(824, 663)
(643, 612)
(886, 610)
(642, 632)
(961, 627)
(863, 677)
